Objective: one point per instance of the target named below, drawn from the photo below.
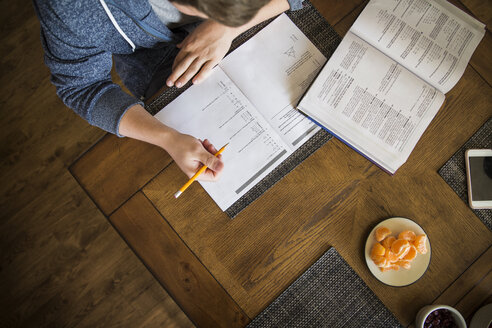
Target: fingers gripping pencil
(200, 171)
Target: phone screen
(481, 178)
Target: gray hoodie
(79, 41)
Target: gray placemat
(328, 294)
(317, 29)
(454, 171)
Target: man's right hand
(191, 154)
(188, 152)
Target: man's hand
(191, 154)
(188, 152)
(209, 42)
(200, 52)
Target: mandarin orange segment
(388, 241)
(412, 253)
(407, 235)
(420, 244)
(404, 264)
(405, 252)
(377, 250)
(380, 261)
(391, 253)
(391, 256)
(381, 233)
(400, 247)
(390, 267)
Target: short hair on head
(228, 12)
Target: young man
(145, 39)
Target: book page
(217, 110)
(274, 69)
(371, 102)
(433, 39)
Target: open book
(249, 102)
(387, 79)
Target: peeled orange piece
(404, 264)
(391, 253)
(381, 233)
(377, 250)
(390, 256)
(400, 247)
(380, 261)
(390, 267)
(420, 244)
(407, 235)
(412, 253)
(388, 241)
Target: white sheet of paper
(372, 102)
(386, 80)
(433, 39)
(249, 102)
(218, 111)
(274, 69)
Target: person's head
(228, 12)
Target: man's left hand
(200, 52)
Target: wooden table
(223, 272)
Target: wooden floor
(62, 264)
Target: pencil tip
(177, 194)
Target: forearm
(188, 152)
(137, 123)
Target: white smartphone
(479, 177)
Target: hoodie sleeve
(295, 4)
(82, 77)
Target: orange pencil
(200, 171)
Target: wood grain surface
(481, 9)
(335, 10)
(61, 262)
(64, 265)
(116, 168)
(260, 252)
(481, 58)
(472, 288)
(476, 297)
(197, 292)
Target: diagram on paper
(291, 52)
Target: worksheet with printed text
(249, 102)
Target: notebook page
(371, 102)
(217, 110)
(433, 39)
(274, 69)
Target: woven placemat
(454, 171)
(328, 294)
(324, 37)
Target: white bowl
(482, 318)
(401, 277)
(426, 310)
